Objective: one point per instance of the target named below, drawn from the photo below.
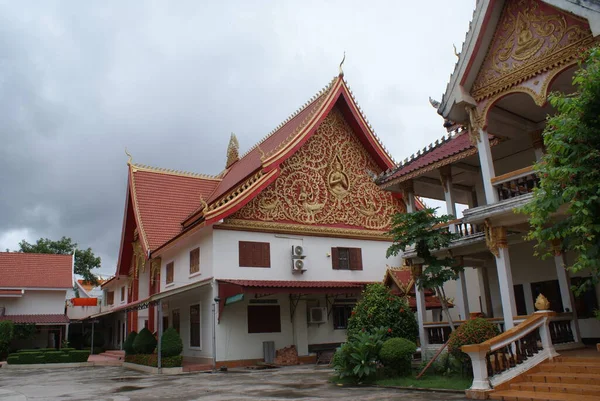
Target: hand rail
(522, 172)
(505, 356)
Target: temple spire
(233, 153)
(342, 71)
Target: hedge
(171, 344)
(27, 358)
(128, 344)
(144, 342)
(396, 355)
(152, 360)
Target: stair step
(111, 356)
(583, 389)
(571, 367)
(571, 359)
(562, 377)
(516, 395)
(197, 368)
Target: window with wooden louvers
(255, 254)
(346, 258)
(194, 260)
(170, 270)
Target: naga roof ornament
(233, 154)
(342, 71)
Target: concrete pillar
(421, 311)
(446, 179)
(528, 298)
(300, 326)
(537, 141)
(487, 167)
(462, 300)
(409, 196)
(507, 292)
(484, 285)
(566, 295)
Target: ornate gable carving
(327, 182)
(531, 37)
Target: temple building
(272, 252)
(495, 106)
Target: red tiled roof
(39, 319)
(38, 270)
(296, 283)
(403, 279)
(88, 286)
(164, 199)
(455, 146)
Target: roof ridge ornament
(130, 160)
(341, 74)
(457, 54)
(233, 154)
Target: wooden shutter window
(335, 258)
(254, 254)
(110, 298)
(356, 259)
(170, 267)
(264, 319)
(194, 260)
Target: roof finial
(457, 54)
(233, 153)
(130, 160)
(342, 71)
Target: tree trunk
(442, 296)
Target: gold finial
(457, 54)
(342, 71)
(233, 154)
(542, 303)
(130, 160)
(203, 203)
(261, 152)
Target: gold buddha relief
(338, 180)
(527, 43)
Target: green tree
(85, 260)
(570, 175)
(428, 233)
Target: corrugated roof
(22, 270)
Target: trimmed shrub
(380, 308)
(79, 355)
(144, 342)
(474, 331)
(29, 350)
(396, 355)
(29, 357)
(152, 360)
(128, 344)
(67, 350)
(65, 358)
(53, 356)
(6, 336)
(170, 343)
(13, 359)
(47, 349)
(40, 359)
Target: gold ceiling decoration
(531, 37)
(326, 182)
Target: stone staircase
(563, 379)
(108, 358)
(197, 367)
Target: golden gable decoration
(531, 37)
(326, 182)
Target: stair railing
(511, 353)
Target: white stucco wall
(317, 261)
(36, 302)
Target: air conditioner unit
(318, 315)
(298, 265)
(298, 252)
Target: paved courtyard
(119, 384)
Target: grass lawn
(442, 382)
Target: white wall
(50, 302)
(317, 262)
(180, 256)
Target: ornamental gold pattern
(326, 182)
(531, 37)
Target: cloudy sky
(170, 80)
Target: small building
(33, 289)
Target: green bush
(357, 359)
(67, 350)
(474, 331)
(24, 331)
(40, 359)
(152, 360)
(144, 342)
(29, 357)
(396, 355)
(65, 358)
(29, 350)
(128, 344)
(170, 343)
(47, 349)
(13, 359)
(79, 355)
(6, 336)
(380, 308)
(53, 356)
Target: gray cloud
(81, 81)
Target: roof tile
(39, 319)
(37, 270)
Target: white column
(421, 310)
(566, 294)
(300, 326)
(507, 291)
(487, 167)
(409, 196)
(528, 298)
(537, 142)
(446, 178)
(462, 299)
(484, 287)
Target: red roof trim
(136, 212)
(36, 319)
(267, 285)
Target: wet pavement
(119, 384)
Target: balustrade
(561, 330)
(515, 183)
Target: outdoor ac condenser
(318, 315)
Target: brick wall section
(286, 356)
